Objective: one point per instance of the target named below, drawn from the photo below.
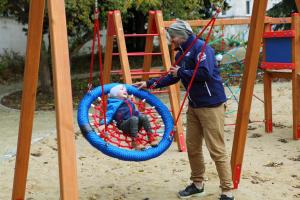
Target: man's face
(177, 40)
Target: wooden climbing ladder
(155, 28)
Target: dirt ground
(270, 168)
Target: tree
(79, 14)
(283, 9)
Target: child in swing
(128, 118)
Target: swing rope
(210, 23)
(102, 108)
(111, 134)
(97, 37)
(197, 65)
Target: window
(248, 7)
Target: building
(240, 9)
(243, 8)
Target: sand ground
(270, 169)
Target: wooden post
(34, 41)
(251, 62)
(149, 45)
(122, 47)
(298, 5)
(115, 29)
(295, 75)
(267, 90)
(63, 100)
(173, 94)
(108, 47)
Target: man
(205, 115)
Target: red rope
(97, 36)
(212, 21)
(195, 70)
(116, 137)
(182, 56)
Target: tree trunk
(44, 72)
(135, 25)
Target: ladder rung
(139, 72)
(139, 54)
(141, 35)
(279, 34)
(272, 65)
(160, 91)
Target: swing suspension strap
(97, 37)
(211, 24)
(197, 65)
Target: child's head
(118, 91)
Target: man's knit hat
(180, 28)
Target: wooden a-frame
(155, 27)
(251, 64)
(63, 99)
(270, 74)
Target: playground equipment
(92, 108)
(63, 97)
(249, 75)
(103, 142)
(251, 64)
(113, 143)
(155, 28)
(281, 60)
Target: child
(128, 119)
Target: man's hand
(140, 85)
(174, 70)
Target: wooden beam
(108, 47)
(122, 47)
(267, 90)
(295, 77)
(237, 21)
(149, 45)
(298, 5)
(286, 74)
(173, 94)
(251, 62)
(63, 100)
(34, 41)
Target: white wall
(239, 8)
(12, 37)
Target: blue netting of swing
(114, 151)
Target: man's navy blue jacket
(207, 89)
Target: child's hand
(140, 85)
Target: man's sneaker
(191, 191)
(224, 197)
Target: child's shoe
(153, 140)
(137, 145)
